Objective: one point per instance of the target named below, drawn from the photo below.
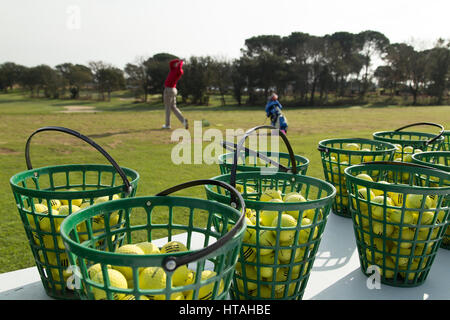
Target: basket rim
(416, 158)
(114, 258)
(390, 147)
(309, 204)
(305, 161)
(380, 135)
(18, 177)
(399, 188)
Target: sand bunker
(77, 109)
(8, 151)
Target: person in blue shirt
(273, 111)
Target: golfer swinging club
(170, 93)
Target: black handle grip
(127, 188)
(232, 147)
(170, 263)
(426, 124)
(241, 144)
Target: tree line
(306, 68)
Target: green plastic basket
(398, 227)
(410, 142)
(439, 160)
(250, 160)
(202, 272)
(43, 198)
(446, 146)
(275, 260)
(336, 157)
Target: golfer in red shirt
(170, 92)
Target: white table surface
(336, 274)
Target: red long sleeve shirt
(175, 73)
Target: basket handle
(241, 144)
(323, 149)
(232, 147)
(426, 124)
(127, 188)
(170, 263)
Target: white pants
(170, 103)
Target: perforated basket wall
(398, 226)
(282, 238)
(48, 186)
(410, 142)
(336, 157)
(45, 196)
(273, 268)
(439, 160)
(202, 272)
(446, 141)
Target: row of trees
(62, 79)
(345, 64)
(420, 72)
(305, 67)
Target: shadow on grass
(125, 107)
(151, 106)
(9, 100)
(118, 105)
(70, 102)
(109, 134)
(262, 107)
(130, 107)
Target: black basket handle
(241, 144)
(127, 188)
(232, 147)
(426, 124)
(170, 263)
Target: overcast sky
(118, 31)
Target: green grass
(131, 133)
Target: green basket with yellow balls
(170, 250)
(250, 160)
(408, 143)
(286, 215)
(439, 160)
(398, 225)
(45, 196)
(339, 154)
